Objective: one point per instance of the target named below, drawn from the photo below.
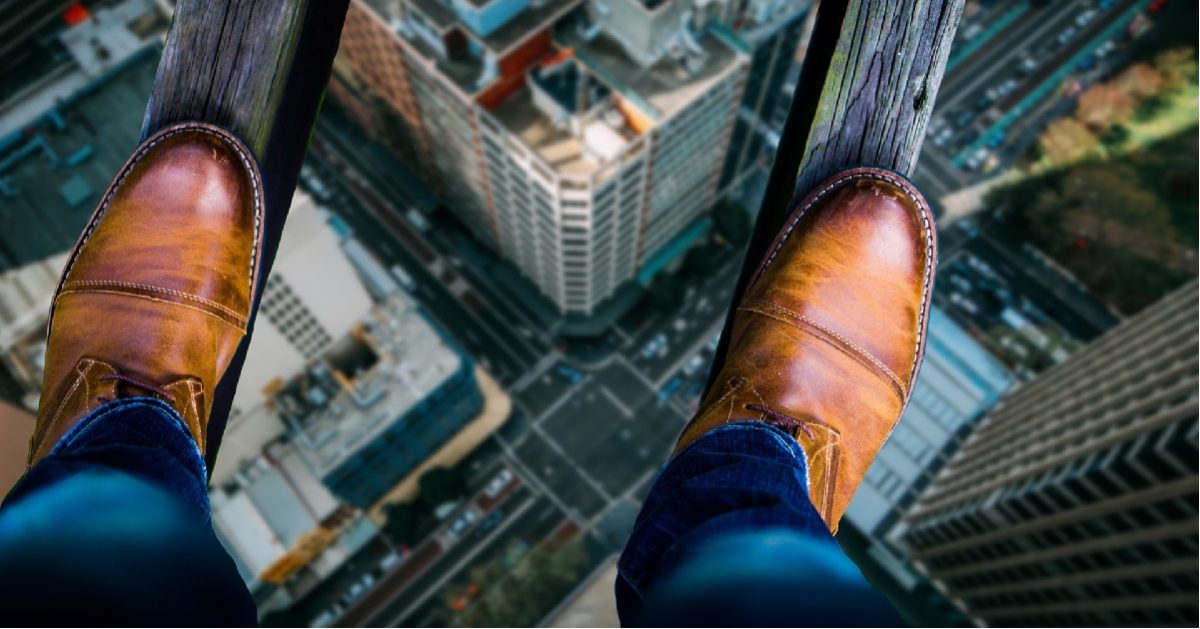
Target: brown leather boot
(829, 334)
(157, 293)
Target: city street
(996, 81)
(588, 436)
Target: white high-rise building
(584, 140)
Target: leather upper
(157, 293)
(828, 337)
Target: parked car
(670, 388)
(943, 137)
(968, 306)
(656, 346)
(976, 160)
(498, 483)
(1003, 89)
(694, 365)
(965, 138)
(569, 373)
(389, 560)
(403, 278)
(490, 522)
(1066, 35)
(714, 341)
(417, 219)
(964, 118)
(314, 184)
(463, 522)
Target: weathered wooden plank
(880, 86)
(257, 68)
(865, 94)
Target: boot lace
(782, 420)
(145, 386)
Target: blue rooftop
(53, 171)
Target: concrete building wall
(307, 303)
(372, 60)
(688, 150)
(773, 48)
(450, 122)
(245, 532)
(1074, 501)
(312, 298)
(959, 381)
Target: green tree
(1115, 136)
(441, 485)
(732, 223)
(402, 522)
(1116, 225)
(1149, 108)
(701, 259)
(665, 292)
(522, 596)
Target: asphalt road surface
(1032, 33)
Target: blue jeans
(113, 527)
(728, 537)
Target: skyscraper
(771, 35)
(1075, 501)
(583, 140)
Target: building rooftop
(53, 171)
(664, 88)
(561, 84)
(365, 383)
(515, 30)
(25, 294)
(618, 99)
(562, 148)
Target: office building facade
(1075, 501)
(379, 403)
(959, 382)
(584, 141)
(771, 39)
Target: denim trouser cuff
(738, 477)
(142, 436)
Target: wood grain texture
(865, 94)
(879, 89)
(257, 68)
